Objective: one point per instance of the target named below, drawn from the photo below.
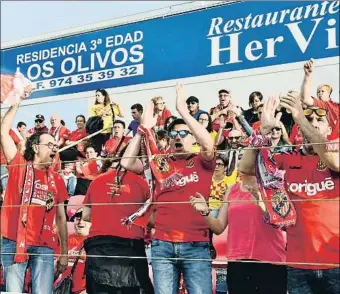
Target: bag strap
(119, 145)
(76, 262)
(113, 112)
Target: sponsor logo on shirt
(179, 180)
(192, 178)
(311, 189)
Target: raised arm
(306, 83)
(311, 132)
(200, 133)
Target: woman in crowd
(250, 239)
(255, 99)
(161, 111)
(280, 139)
(108, 237)
(107, 111)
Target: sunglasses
(191, 102)
(181, 133)
(276, 129)
(318, 111)
(218, 164)
(236, 138)
(38, 121)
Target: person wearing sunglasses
(279, 138)
(179, 230)
(27, 231)
(323, 99)
(311, 173)
(194, 107)
(39, 126)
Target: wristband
(205, 213)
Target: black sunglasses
(236, 138)
(38, 121)
(276, 129)
(191, 102)
(181, 133)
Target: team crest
(162, 164)
(190, 163)
(280, 204)
(49, 201)
(320, 166)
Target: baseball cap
(39, 116)
(192, 99)
(75, 206)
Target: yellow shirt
(106, 113)
(197, 148)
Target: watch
(205, 213)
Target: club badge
(162, 164)
(190, 163)
(280, 204)
(321, 166)
(49, 201)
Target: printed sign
(221, 39)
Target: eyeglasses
(276, 129)
(236, 138)
(224, 95)
(160, 103)
(38, 121)
(219, 164)
(181, 133)
(50, 146)
(191, 102)
(319, 111)
(203, 119)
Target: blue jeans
(166, 273)
(307, 281)
(41, 268)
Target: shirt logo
(192, 178)
(311, 189)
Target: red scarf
(280, 211)
(26, 199)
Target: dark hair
(209, 127)
(225, 161)
(119, 122)
(223, 91)
(261, 105)
(162, 134)
(137, 106)
(82, 116)
(177, 121)
(166, 122)
(107, 162)
(62, 122)
(32, 140)
(20, 124)
(107, 99)
(253, 95)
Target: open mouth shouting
(178, 146)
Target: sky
(23, 19)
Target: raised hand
(181, 105)
(198, 202)
(149, 119)
(292, 103)
(268, 118)
(309, 67)
(236, 110)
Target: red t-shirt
(36, 214)
(16, 140)
(162, 118)
(90, 170)
(59, 132)
(106, 219)
(315, 237)
(228, 117)
(75, 244)
(333, 115)
(181, 222)
(112, 144)
(77, 135)
(296, 136)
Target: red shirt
(228, 117)
(90, 170)
(75, 244)
(112, 144)
(162, 118)
(315, 237)
(16, 140)
(296, 136)
(181, 222)
(35, 216)
(60, 132)
(333, 115)
(106, 219)
(77, 135)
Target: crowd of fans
(86, 183)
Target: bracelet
(205, 213)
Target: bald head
(55, 120)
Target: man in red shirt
(224, 107)
(109, 237)
(118, 141)
(39, 126)
(34, 199)
(323, 99)
(312, 173)
(180, 232)
(58, 131)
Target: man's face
(80, 123)
(224, 99)
(46, 150)
(118, 130)
(179, 144)
(323, 93)
(81, 227)
(91, 153)
(55, 121)
(39, 123)
(136, 115)
(192, 106)
(162, 143)
(234, 139)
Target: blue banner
(221, 39)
